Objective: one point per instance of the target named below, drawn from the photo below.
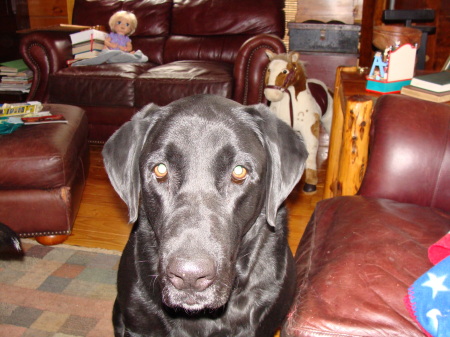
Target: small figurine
(122, 24)
(378, 67)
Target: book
(15, 87)
(26, 73)
(87, 35)
(438, 82)
(16, 80)
(87, 55)
(439, 97)
(44, 119)
(12, 67)
(83, 47)
(71, 61)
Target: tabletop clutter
(394, 62)
(15, 115)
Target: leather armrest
(250, 67)
(45, 52)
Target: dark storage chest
(318, 37)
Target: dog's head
(202, 170)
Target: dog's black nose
(197, 274)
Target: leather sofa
(359, 254)
(193, 46)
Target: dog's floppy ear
(287, 153)
(121, 156)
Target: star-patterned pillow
(428, 299)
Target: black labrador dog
(204, 179)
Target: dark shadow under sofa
(193, 46)
(359, 254)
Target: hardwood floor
(102, 219)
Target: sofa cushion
(355, 262)
(102, 85)
(197, 34)
(200, 17)
(219, 48)
(166, 83)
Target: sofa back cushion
(215, 30)
(409, 153)
(153, 21)
(230, 17)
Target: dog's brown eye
(160, 171)
(239, 174)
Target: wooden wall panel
(44, 13)
(70, 4)
(290, 9)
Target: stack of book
(16, 76)
(433, 87)
(87, 43)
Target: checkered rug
(60, 291)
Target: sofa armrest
(409, 152)
(45, 52)
(250, 67)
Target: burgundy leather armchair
(359, 254)
(193, 46)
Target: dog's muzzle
(193, 283)
(191, 274)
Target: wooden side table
(347, 156)
(349, 139)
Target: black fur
(208, 254)
(10, 246)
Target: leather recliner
(359, 254)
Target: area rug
(60, 291)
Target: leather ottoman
(43, 170)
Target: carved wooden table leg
(355, 142)
(347, 154)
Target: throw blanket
(428, 299)
(113, 56)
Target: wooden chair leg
(51, 240)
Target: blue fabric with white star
(428, 300)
